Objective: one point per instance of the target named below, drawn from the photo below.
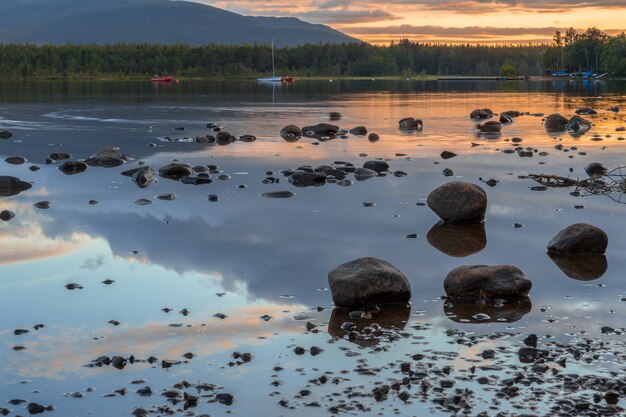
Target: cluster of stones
(364, 282)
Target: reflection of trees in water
(612, 184)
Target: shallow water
(246, 256)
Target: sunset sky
(485, 21)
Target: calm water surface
(246, 256)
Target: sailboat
(274, 78)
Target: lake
(207, 301)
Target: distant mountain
(150, 21)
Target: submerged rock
(320, 130)
(175, 171)
(291, 133)
(5, 134)
(362, 174)
(490, 127)
(72, 167)
(579, 239)
(508, 311)
(278, 194)
(307, 179)
(458, 202)
(487, 282)
(411, 123)
(481, 114)
(6, 215)
(595, 170)
(107, 158)
(368, 328)
(367, 281)
(578, 125)
(15, 160)
(378, 166)
(586, 111)
(10, 186)
(143, 177)
(359, 131)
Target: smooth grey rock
(459, 202)
(476, 282)
(579, 239)
(367, 281)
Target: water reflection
(458, 240)
(488, 312)
(390, 316)
(581, 268)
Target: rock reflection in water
(489, 312)
(369, 331)
(458, 240)
(581, 268)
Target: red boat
(157, 79)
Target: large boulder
(486, 282)
(555, 123)
(459, 202)
(579, 239)
(10, 186)
(367, 281)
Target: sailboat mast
(273, 70)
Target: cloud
(347, 16)
(460, 34)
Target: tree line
(591, 50)
(403, 58)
